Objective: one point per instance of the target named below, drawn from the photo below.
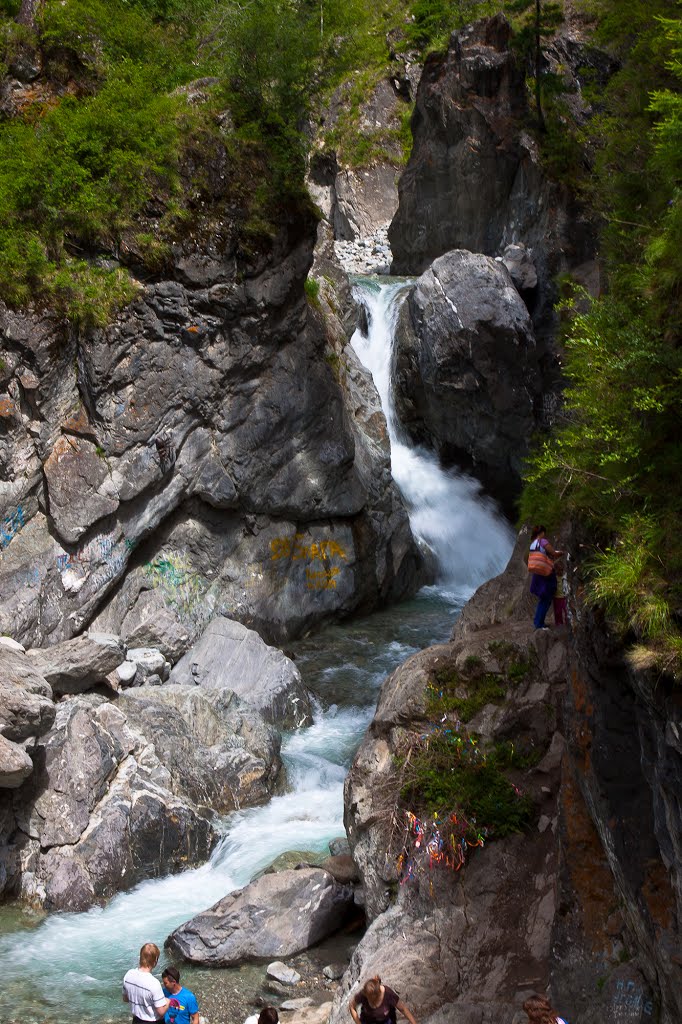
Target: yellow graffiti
(284, 547)
(324, 580)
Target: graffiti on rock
(182, 587)
(10, 525)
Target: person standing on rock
(543, 580)
(378, 1003)
(142, 990)
(540, 1011)
(183, 1007)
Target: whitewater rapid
(67, 968)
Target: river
(67, 968)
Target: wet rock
(275, 510)
(79, 664)
(217, 748)
(229, 654)
(466, 374)
(100, 814)
(283, 974)
(278, 914)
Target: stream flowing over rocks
(260, 447)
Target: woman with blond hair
(378, 1004)
(540, 1011)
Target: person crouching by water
(540, 1011)
(183, 1007)
(378, 1003)
(543, 580)
(142, 990)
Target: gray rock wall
(585, 902)
(475, 178)
(201, 448)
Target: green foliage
(434, 20)
(312, 291)
(467, 691)
(443, 779)
(615, 460)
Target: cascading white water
(470, 539)
(68, 968)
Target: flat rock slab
(277, 915)
(280, 972)
(230, 655)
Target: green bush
(450, 774)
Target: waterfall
(67, 968)
(470, 539)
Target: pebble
(366, 255)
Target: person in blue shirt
(183, 1007)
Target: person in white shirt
(142, 990)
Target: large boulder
(100, 815)
(218, 749)
(230, 655)
(121, 791)
(277, 915)
(466, 377)
(77, 665)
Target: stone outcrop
(77, 665)
(125, 791)
(475, 178)
(466, 375)
(228, 655)
(199, 448)
(593, 875)
(360, 195)
(277, 915)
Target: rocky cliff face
(475, 178)
(195, 457)
(584, 901)
(97, 793)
